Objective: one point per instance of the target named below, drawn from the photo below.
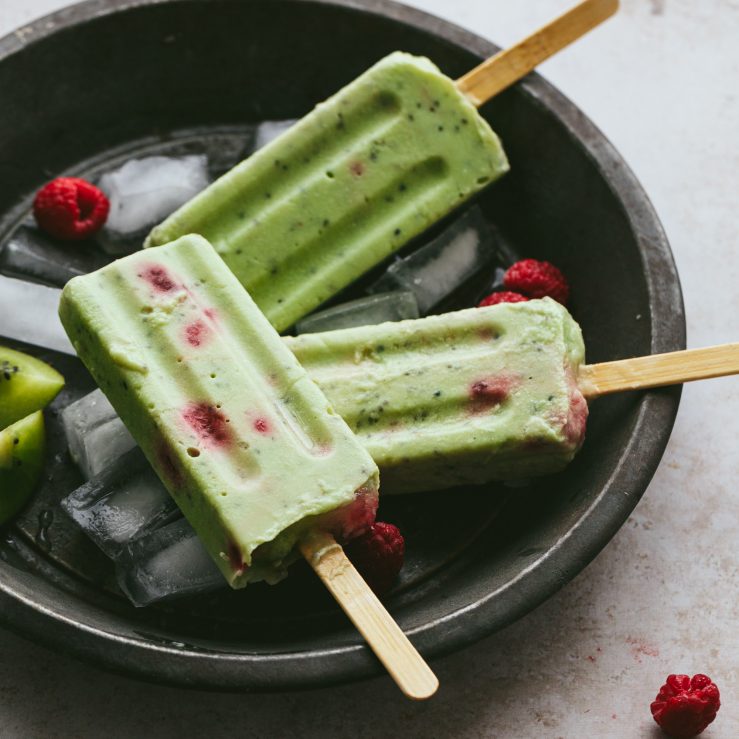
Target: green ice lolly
(354, 180)
(461, 398)
(244, 441)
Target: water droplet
(45, 519)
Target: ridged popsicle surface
(353, 181)
(245, 442)
(460, 398)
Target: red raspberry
(378, 555)
(505, 296)
(537, 280)
(684, 707)
(70, 208)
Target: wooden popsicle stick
(658, 370)
(510, 65)
(400, 658)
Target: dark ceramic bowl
(105, 79)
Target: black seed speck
(397, 232)
(437, 394)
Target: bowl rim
(145, 659)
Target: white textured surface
(142, 192)
(661, 82)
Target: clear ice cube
(507, 255)
(30, 313)
(31, 255)
(393, 306)
(123, 502)
(226, 150)
(167, 563)
(95, 435)
(269, 130)
(142, 192)
(493, 286)
(436, 270)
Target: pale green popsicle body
(245, 442)
(461, 398)
(354, 180)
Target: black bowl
(102, 80)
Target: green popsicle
(244, 441)
(353, 181)
(460, 398)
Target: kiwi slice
(26, 385)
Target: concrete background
(661, 80)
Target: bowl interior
(156, 76)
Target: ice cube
(142, 192)
(507, 255)
(226, 150)
(95, 435)
(166, 563)
(29, 313)
(31, 255)
(269, 130)
(494, 285)
(498, 278)
(89, 411)
(436, 270)
(393, 306)
(123, 502)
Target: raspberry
(70, 208)
(684, 707)
(537, 280)
(378, 555)
(505, 296)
